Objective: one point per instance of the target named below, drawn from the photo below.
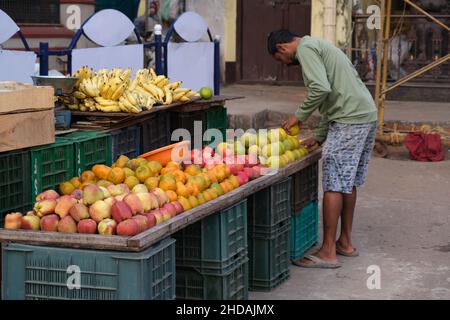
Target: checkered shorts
(346, 155)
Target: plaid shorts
(346, 155)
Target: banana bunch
(115, 91)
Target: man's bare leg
(332, 209)
(348, 210)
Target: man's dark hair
(279, 37)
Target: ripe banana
(168, 96)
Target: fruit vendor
(348, 125)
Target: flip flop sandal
(317, 263)
(352, 254)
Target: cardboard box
(27, 116)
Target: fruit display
(274, 148)
(115, 91)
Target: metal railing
(415, 41)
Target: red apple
(171, 209)
(128, 228)
(151, 219)
(30, 222)
(79, 212)
(135, 204)
(242, 177)
(13, 221)
(178, 207)
(48, 195)
(50, 223)
(107, 227)
(67, 225)
(142, 222)
(87, 226)
(120, 211)
(165, 213)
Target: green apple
(274, 162)
(248, 139)
(274, 135)
(239, 148)
(288, 145)
(253, 150)
(290, 154)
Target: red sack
(424, 147)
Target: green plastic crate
(15, 187)
(269, 258)
(216, 118)
(51, 165)
(305, 187)
(36, 272)
(193, 284)
(304, 230)
(90, 148)
(215, 242)
(269, 207)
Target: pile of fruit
(129, 197)
(115, 91)
(273, 148)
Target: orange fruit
(173, 164)
(193, 170)
(185, 203)
(152, 183)
(201, 199)
(179, 176)
(193, 189)
(66, 188)
(88, 176)
(101, 171)
(143, 173)
(182, 190)
(193, 201)
(208, 196)
(218, 188)
(167, 170)
(212, 176)
(168, 182)
(234, 181)
(155, 167)
(225, 187)
(172, 195)
(116, 175)
(131, 182)
(75, 182)
(122, 162)
(128, 172)
(213, 193)
(84, 184)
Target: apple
(251, 160)
(171, 209)
(120, 211)
(178, 207)
(165, 213)
(45, 207)
(134, 202)
(67, 225)
(249, 172)
(142, 222)
(120, 197)
(110, 200)
(243, 178)
(106, 193)
(146, 200)
(64, 204)
(50, 223)
(151, 219)
(208, 151)
(140, 188)
(161, 195)
(91, 194)
(47, 195)
(107, 227)
(117, 190)
(13, 221)
(31, 222)
(158, 216)
(99, 211)
(87, 226)
(77, 194)
(128, 228)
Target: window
(32, 11)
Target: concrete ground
(402, 222)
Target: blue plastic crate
(304, 230)
(36, 272)
(269, 258)
(215, 242)
(193, 284)
(63, 119)
(126, 142)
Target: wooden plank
(24, 130)
(76, 240)
(149, 237)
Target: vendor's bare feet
(345, 247)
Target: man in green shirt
(348, 124)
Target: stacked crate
(269, 214)
(155, 132)
(211, 257)
(126, 142)
(305, 210)
(212, 118)
(38, 272)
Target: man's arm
(316, 81)
(320, 134)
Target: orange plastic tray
(164, 155)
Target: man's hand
(289, 123)
(310, 143)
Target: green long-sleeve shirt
(334, 87)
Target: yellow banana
(182, 90)
(175, 85)
(153, 73)
(168, 96)
(191, 94)
(119, 92)
(133, 84)
(122, 107)
(154, 90)
(79, 95)
(178, 96)
(184, 99)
